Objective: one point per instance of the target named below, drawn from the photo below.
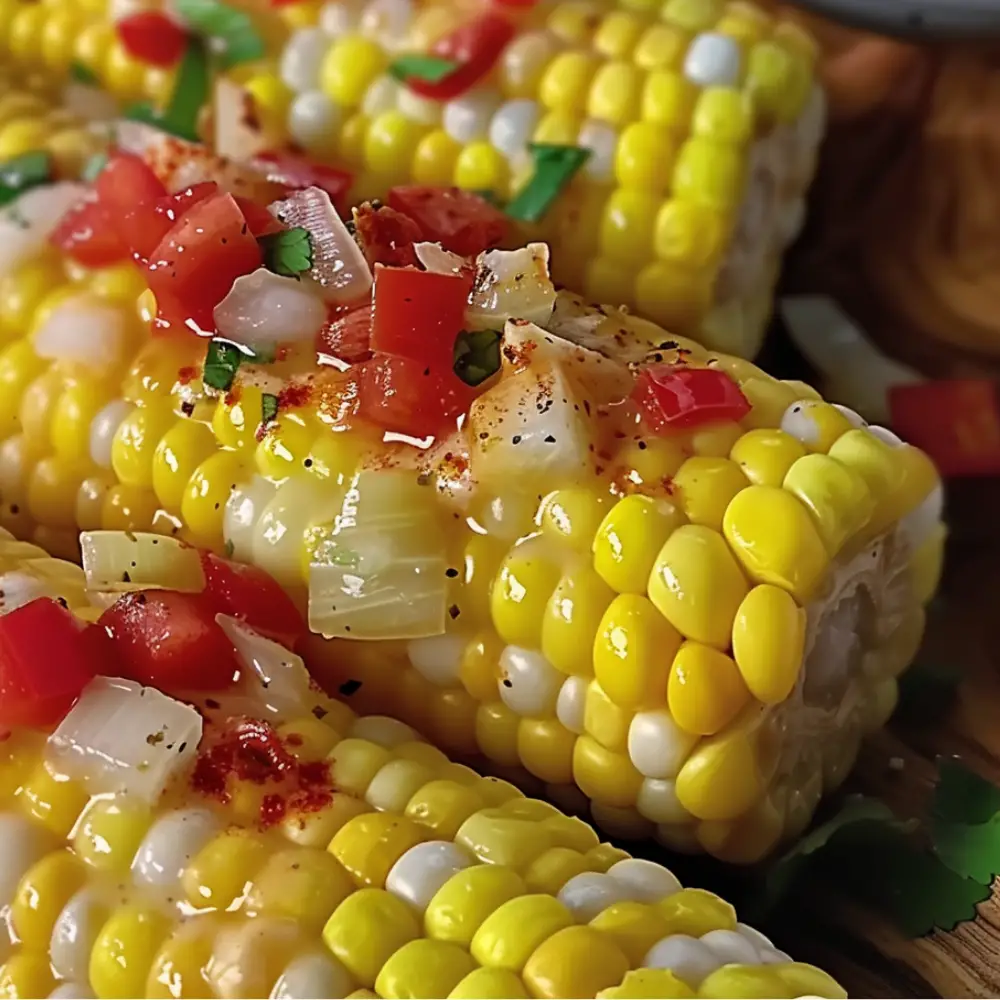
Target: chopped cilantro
(477, 355)
(415, 66)
(554, 169)
(231, 33)
(221, 364)
(289, 252)
(268, 407)
(20, 173)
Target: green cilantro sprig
(268, 408)
(289, 252)
(21, 173)
(476, 355)
(223, 360)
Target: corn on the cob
(401, 875)
(702, 121)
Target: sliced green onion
(477, 355)
(554, 169)
(232, 33)
(289, 252)
(429, 69)
(268, 408)
(20, 173)
(191, 93)
(93, 167)
(79, 73)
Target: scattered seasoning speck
(349, 687)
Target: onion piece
(381, 572)
(264, 309)
(238, 131)
(533, 423)
(601, 379)
(119, 562)
(83, 330)
(511, 284)
(275, 674)
(339, 267)
(123, 737)
(434, 257)
(28, 222)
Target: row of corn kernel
(404, 902)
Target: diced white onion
(533, 422)
(170, 844)
(423, 869)
(339, 266)
(511, 284)
(237, 130)
(438, 658)
(118, 562)
(433, 257)
(74, 932)
(243, 510)
(278, 678)
(20, 847)
(103, 429)
(27, 222)
(315, 974)
(590, 893)
(265, 308)
(302, 59)
(686, 957)
(647, 881)
(381, 574)
(529, 685)
(383, 730)
(123, 737)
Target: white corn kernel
(529, 684)
(423, 869)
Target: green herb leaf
(490, 196)
(19, 174)
(221, 364)
(289, 252)
(965, 822)
(79, 73)
(229, 548)
(970, 851)
(268, 407)
(93, 167)
(962, 796)
(476, 355)
(430, 69)
(231, 32)
(192, 89)
(554, 169)
(926, 692)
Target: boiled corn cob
(701, 119)
(402, 874)
(687, 628)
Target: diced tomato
(175, 206)
(348, 337)
(192, 269)
(387, 236)
(460, 221)
(130, 191)
(675, 397)
(258, 218)
(475, 47)
(170, 641)
(85, 234)
(46, 659)
(295, 173)
(408, 397)
(253, 596)
(418, 314)
(152, 37)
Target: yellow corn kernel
(627, 226)
(351, 64)
(354, 763)
(706, 486)
(52, 488)
(746, 840)
(391, 142)
(723, 115)
(501, 838)
(351, 145)
(722, 777)
(615, 92)
(44, 889)
(489, 984)
(369, 845)
(778, 81)
(625, 543)
(709, 173)
(27, 974)
(688, 234)
(545, 747)
(443, 806)
(423, 968)
(434, 159)
(573, 21)
(769, 642)
(124, 950)
(317, 829)
(177, 971)
(573, 515)
(205, 495)
(576, 961)
(507, 938)
(564, 84)
(765, 455)
(286, 445)
(23, 290)
(481, 167)
(221, 871)
(618, 34)
(135, 443)
(668, 99)
(653, 461)
(816, 424)
(744, 981)
(706, 691)
(634, 927)
(128, 508)
(605, 719)
(521, 591)
(802, 980)
(661, 47)
(550, 871)
(572, 617)
(697, 584)
(557, 128)
(775, 540)
(179, 452)
(308, 739)
(647, 984)
(696, 912)
(304, 884)
(458, 909)
(879, 466)
(673, 294)
(606, 279)
(644, 157)
(366, 929)
(632, 651)
(51, 799)
(605, 776)
(110, 831)
(236, 418)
